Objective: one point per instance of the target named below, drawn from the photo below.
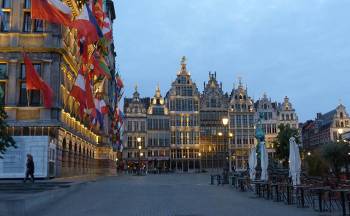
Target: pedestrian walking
(30, 168)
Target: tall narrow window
(3, 93)
(33, 94)
(38, 26)
(26, 4)
(3, 80)
(27, 22)
(5, 22)
(6, 3)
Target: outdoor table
(342, 197)
(301, 189)
(275, 185)
(287, 191)
(266, 185)
(241, 182)
(320, 191)
(258, 187)
(212, 178)
(233, 180)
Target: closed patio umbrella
(252, 163)
(264, 161)
(294, 162)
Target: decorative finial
(240, 81)
(183, 60)
(135, 87)
(183, 65)
(340, 101)
(157, 91)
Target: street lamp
(308, 153)
(138, 139)
(225, 122)
(200, 161)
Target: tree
(336, 156)
(281, 142)
(6, 140)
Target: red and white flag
(87, 26)
(53, 11)
(34, 82)
(107, 28)
(79, 91)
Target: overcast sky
(298, 48)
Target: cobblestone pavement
(165, 195)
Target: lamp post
(200, 161)
(138, 139)
(225, 121)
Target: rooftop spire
(136, 95)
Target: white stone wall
(13, 165)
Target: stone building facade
(328, 127)
(198, 137)
(213, 108)
(135, 130)
(272, 115)
(71, 146)
(183, 101)
(242, 121)
(158, 133)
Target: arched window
(341, 115)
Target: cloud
(292, 47)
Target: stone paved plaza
(165, 195)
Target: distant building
(268, 111)
(158, 133)
(326, 128)
(135, 129)
(183, 103)
(287, 115)
(213, 108)
(242, 122)
(185, 130)
(272, 115)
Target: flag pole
(28, 98)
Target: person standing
(30, 168)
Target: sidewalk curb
(35, 203)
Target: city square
(181, 108)
(165, 195)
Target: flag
(119, 81)
(53, 11)
(98, 12)
(107, 28)
(34, 81)
(79, 91)
(90, 105)
(100, 67)
(83, 48)
(103, 106)
(99, 114)
(87, 26)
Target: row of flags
(93, 28)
